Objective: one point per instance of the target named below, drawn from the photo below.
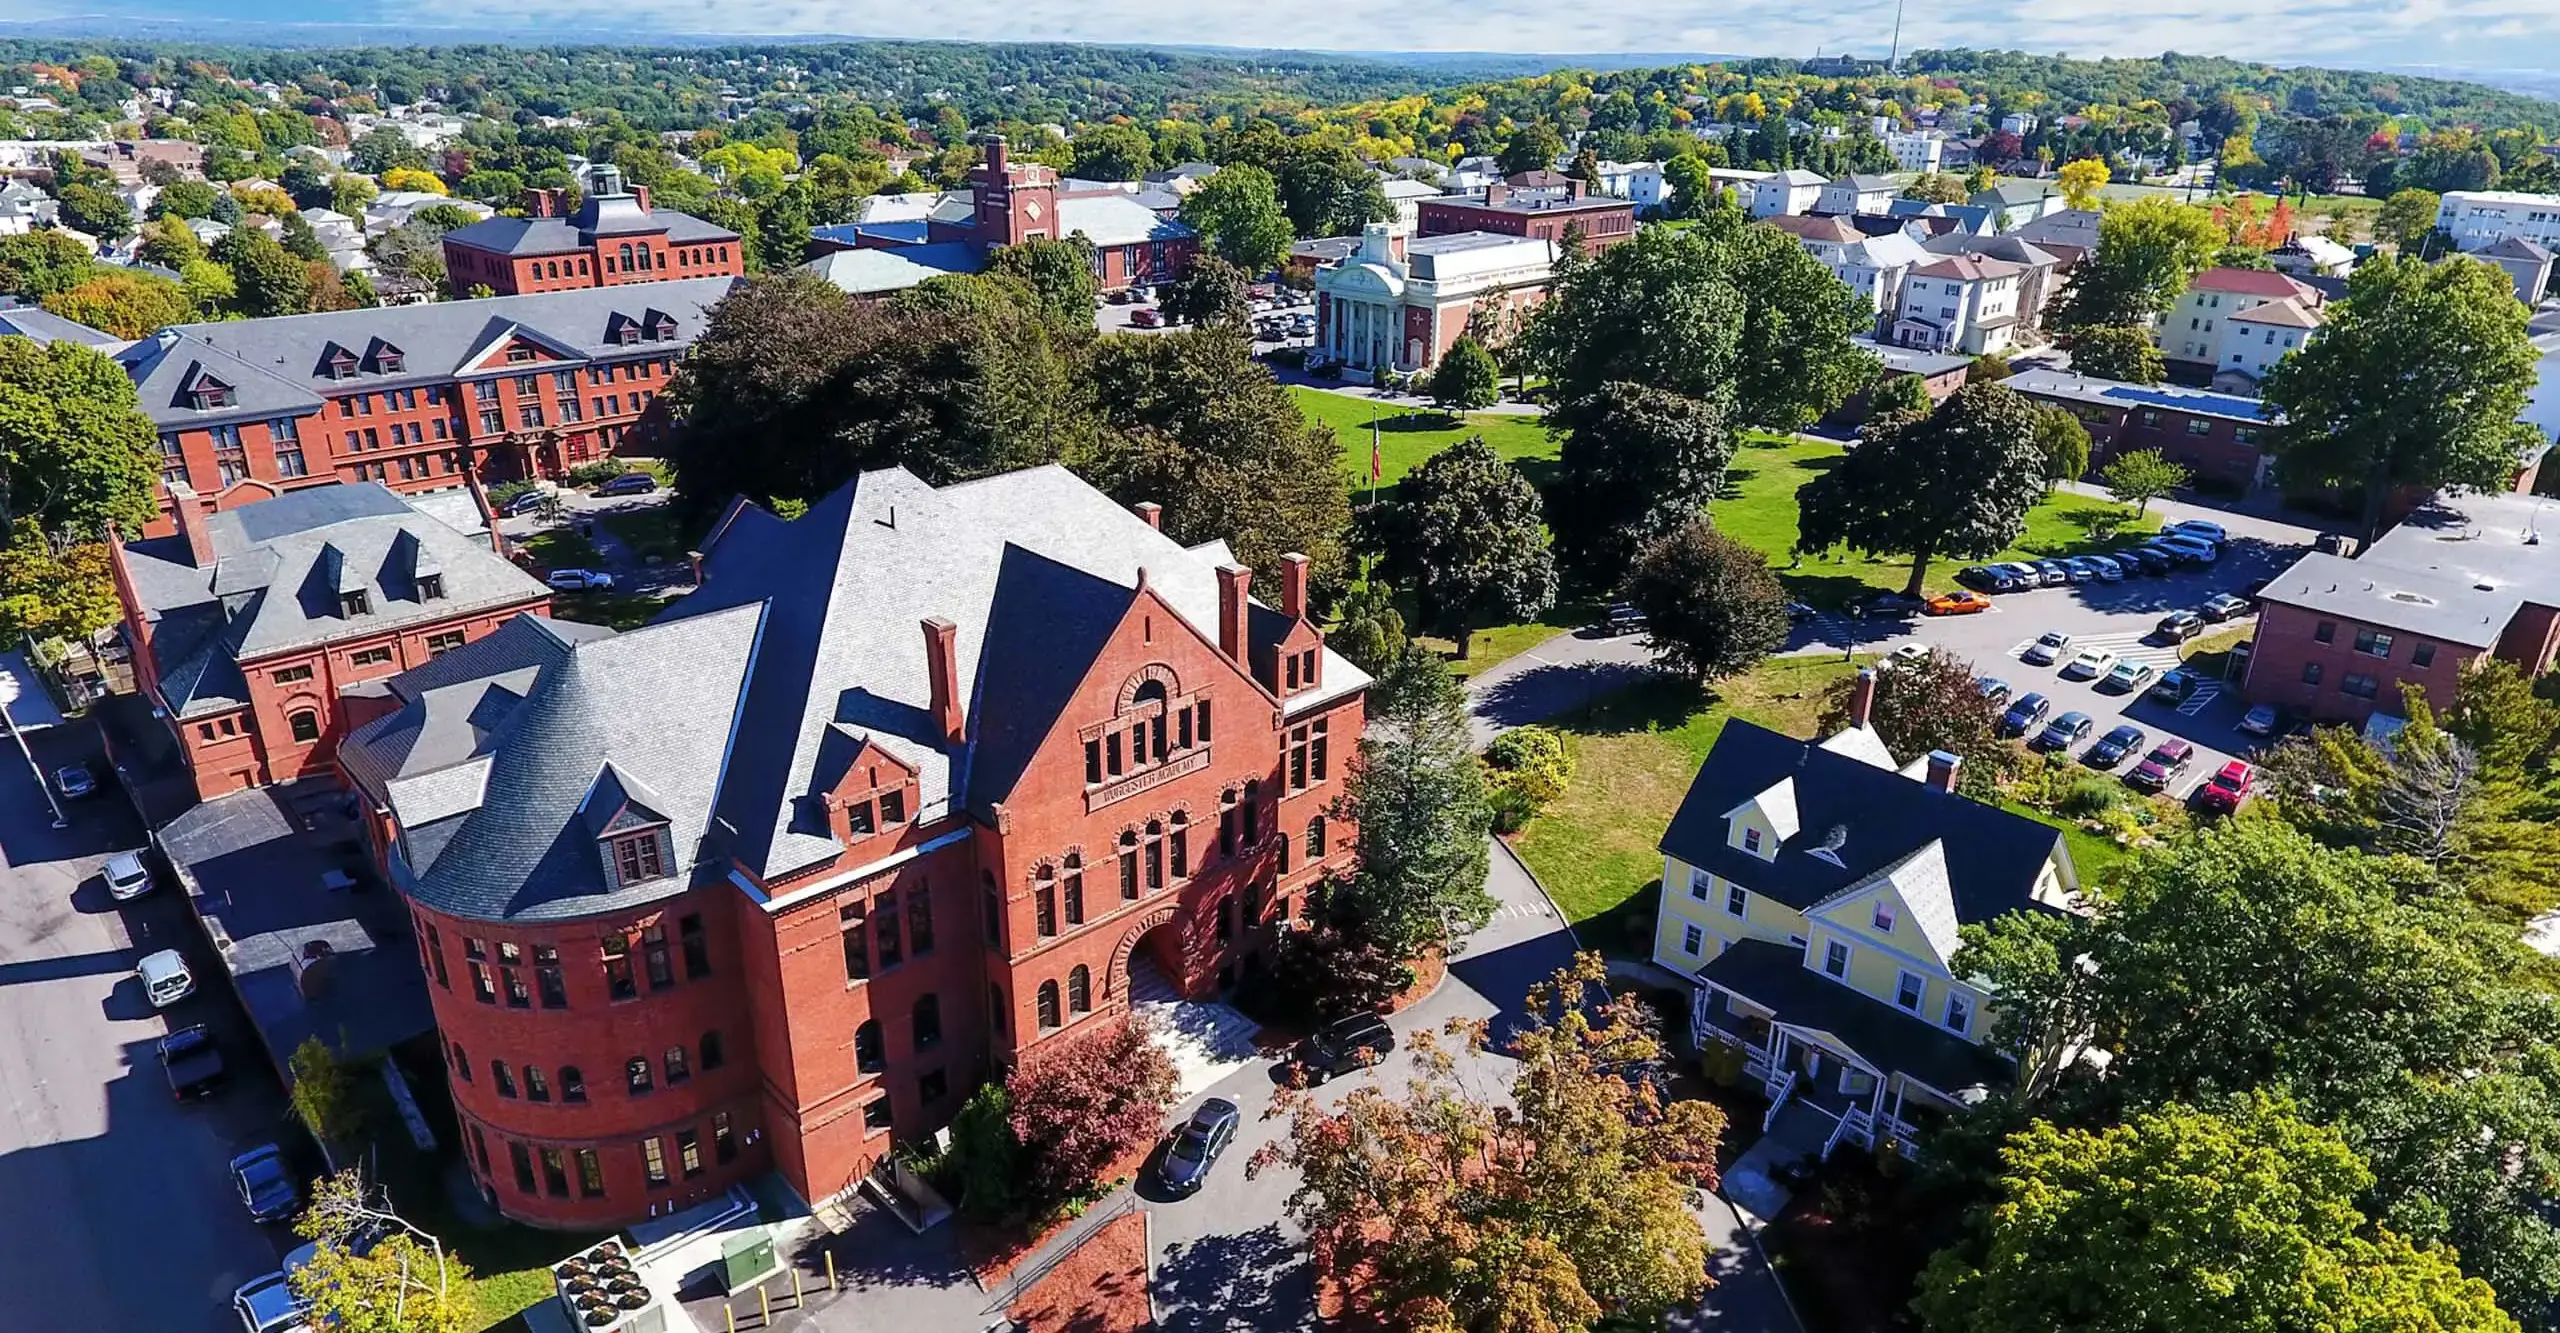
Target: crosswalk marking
(2206, 691)
(2128, 645)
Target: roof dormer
(206, 391)
(620, 328)
(632, 834)
(863, 789)
(658, 326)
(337, 363)
(384, 359)
(1764, 823)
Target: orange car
(1957, 604)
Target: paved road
(96, 1162)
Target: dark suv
(1345, 1045)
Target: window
(1080, 990)
(1129, 866)
(229, 455)
(1692, 940)
(290, 674)
(870, 1055)
(573, 1085)
(491, 423)
(991, 904)
(512, 976)
(461, 1062)
(590, 1174)
(2373, 643)
(1751, 841)
(689, 1153)
(2199, 425)
(1883, 917)
(893, 807)
(357, 603)
(1908, 990)
(1226, 918)
(482, 988)
(933, 1087)
(636, 857)
(1959, 1012)
(920, 921)
(1306, 760)
(875, 1114)
(635, 1075)
(2310, 673)
(653, 948)
(1048, 1005)
(853, 923)
(2423, 655)
(927, 1023)
(1835, 959)
(486, 391)
(433, 942)
(1737, 900)
(697, 947)
(617, 968)
(653, 1161)
(1251, 809)
(523, 1163)
(530, 415)
(1044, 902)
(536, 1087)
(1155, 855)
(1180, 841)
(1315, 839)
(2325, 632)
(678, 1069)
(1075, 897)
(724, 1145)
(305, 724)
(712, 1052)
(506, 1082)
(2361, 687)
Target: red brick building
(2215, 436)
(1539, 214)
(414, 396)
(256, 631)
(907, 789)
(614, 237)
(2465, 578)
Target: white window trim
(1699, 882)
(1957, 999)
(1881, 916)
(1737, 901)
(1693, 941)
(1919, 995)
(1848, 959)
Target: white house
(2018, 123)
(1639, 183)
(2478, 219)
(2197, 324)
(1877, 266)
(2527, 263)
(2259, 337)
(2014, 204)
(1858, 194)
(2312, 257)
(1406, 197)
(1923, 150)
(1788, 192)
(1961, 303)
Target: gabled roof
(2251, 282)
(2507, 247)
(1821, 227)
(1774, 976)
(1969, 268)
(601, 216)
(1873, 818)
(27, 321)
(1115, 219)
(2287, 313)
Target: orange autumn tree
(1448, 1209)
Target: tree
(76, 452)
(185, 199)
(1467, 535)
(2148, 251)
(1417, 795)
(1711, 606)
(128, 304)
(1371, 633)
(299, 240)
(1060, 274)
(2123, 352)
(1533, 147)
(2048, 1005)
(1210, 290)
(1894, 392)
(404, 1282)
(320, 1093)
(1113, 153)
(1957, 482)
(1329, 970)
(91, 209)
(414, 250)
(410, 178)
(1934, 703)
(270, 281)
(1566, 1202)
(2405, 219)
(38, 263)
(1988, 368)
(1937, 187)
(2418, 380)
(2063, 441)
(2187, 1219)
(349, 194)
(1085, 1103)
(2081, 180)
(1237, 213)
(1637, 462)
(2140, 477)
(780, 239)
(1466, 378)
(46, 593)
(986, 1159)
(1726, 311)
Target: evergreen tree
(1417, 793)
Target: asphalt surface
(116, 1205)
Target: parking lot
(2117, 617)
(1110, 318)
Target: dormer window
(355, 603)
(431, 587)
(387, 359)
(638, 857)
(1751, 841)
(210, 393)
(340, 364)
(1882, 920)
(518, 354)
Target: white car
(268, 1305)
(2090, 664)
(2047, 649)
(1909, 652)
(127, 877)
(579, 580)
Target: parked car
(2078, 569)
(2154, 559)
(1196, 1146)
(1907, 653)
(73, 782)
(578, 580)
(2260, 721)
(524, 503)
(2026, 712)
(629, 483)
(2198, 529)
(1623, 619)
(127, 877)
(2022, 575)
(2223, 606)
(2065, 731)
(1983, 577)
(1885, 604)
(2189, 550)
(2162, 766)
(265, 1186)
(1146, 317)
(2047, 649)
(1344, 1045)
(2227, 789)
(192, 1060)
(2090, 664)
(1957, 604)
(268, 1305)
(1994, 690)
(2108, 570)
(165, 978)
(1800, 612)
(2114, 746)
(2129, 675)
(2052, 573)
(2179, 626)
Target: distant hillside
(2293, 91)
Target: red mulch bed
(1278, 1039)
(992, 1249)
(1101, 1288)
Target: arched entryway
(1154, 974)
(1153, 945)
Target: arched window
(1182, 844)
(1227, 826)
(461, 1062)
(1147, 704)
(635, 1075)
(678, 1070)
(305, 724)
(1080, 990)
(1315, 839)
(1155, 855)
(506, 1081)
(1129, 865)
(626, 256)
(1048, 1005)
(1252, 811)
(928, 1022)
(868, 1055)
(713, 1053)
(1044, 896)
(536, 1087)
(644, 259)
(573, 1085)
(1075, 888)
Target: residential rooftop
(2077, 387)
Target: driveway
(97, 1165)
(582, 510)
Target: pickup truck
(192, 1060)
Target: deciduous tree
(1957, 482)
(1637, 462)
(2064, 443)
(2405, 219)
(1711, 606)
(270, 281)
(2081, 180)
(2116, 352)
(1466, 378)
(47, 593)
(1209, 290)
(1237, 213)
(1084, 1103)
(1933, 703)
(1058, 271)
(2140, 477)
(76, 452)
(2148, 251)
(1417, 794)
(128, 304)
(1466, 534)
(1371, 632)
(403, 1282)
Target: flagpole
(1377, 462)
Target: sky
(2399, 34)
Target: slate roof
(27, 321)
(2003, 247)
(1774, 976)
(1968, 268)
(2251, 282)
(1993, 857)
(600, 215)
(1115, 219)
(278, 568)
(867, 272)
(274, 366)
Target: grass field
(1407, 437)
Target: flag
(1377, 461)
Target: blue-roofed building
(2217, 436)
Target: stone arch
(1153, 671)
(1115, 980)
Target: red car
(1146, 318)
(2228, 789)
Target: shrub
(1083, 1104)
(1531, 760)
(1722, 1062)
(1512, 808)
(597, 473)
(1326, 971)
(506, 491)
(2088, 797)
(985, 1159)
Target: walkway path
(1570, 671)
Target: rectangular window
(555, 1174)
(2199, 425)
(1882, 919)
(2423, 655)
(618, 980)
(1737, 901)
(920, 921)
(491, 423)
(696, 943)
(2310, 673)
(853, 923)
(893, 807)
(590, 1174)
(875, 1114)
(529, 415)
(483, 988)
(1093, 763)
(653, 1162)
(2373, 643)
(290, 674)
(636, 1077)
(547, 978)
(1751, 841)
(1959, 1012)
(653, 952)
(885, 919)
(724, 1145)
(1835, 959)
(636, 857)
(522, 1161)
(1700, 882)
(440, 644)
(485, 391)
(1908, 992)
(1692, 940)
(2361, 687)
(2325, 632)
(569, 411)
(689, 1153)
(678, 1068)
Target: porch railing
(1838, 1132)
(1779, 1091)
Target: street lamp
(9, 695)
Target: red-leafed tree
(1083, 1105)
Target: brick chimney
(1234, 583)
(639, 195)
(1152, 512)
(1942, 769)
(539, 203)
(942, 666)
(1293, 586)
(1495, 193)
(1574, 187)
(480, 500)
(1862, 697)
(995, 150)
(189, 511)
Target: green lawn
(650, 532)
(621, 610)
(563, 547)
(1409, 436)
